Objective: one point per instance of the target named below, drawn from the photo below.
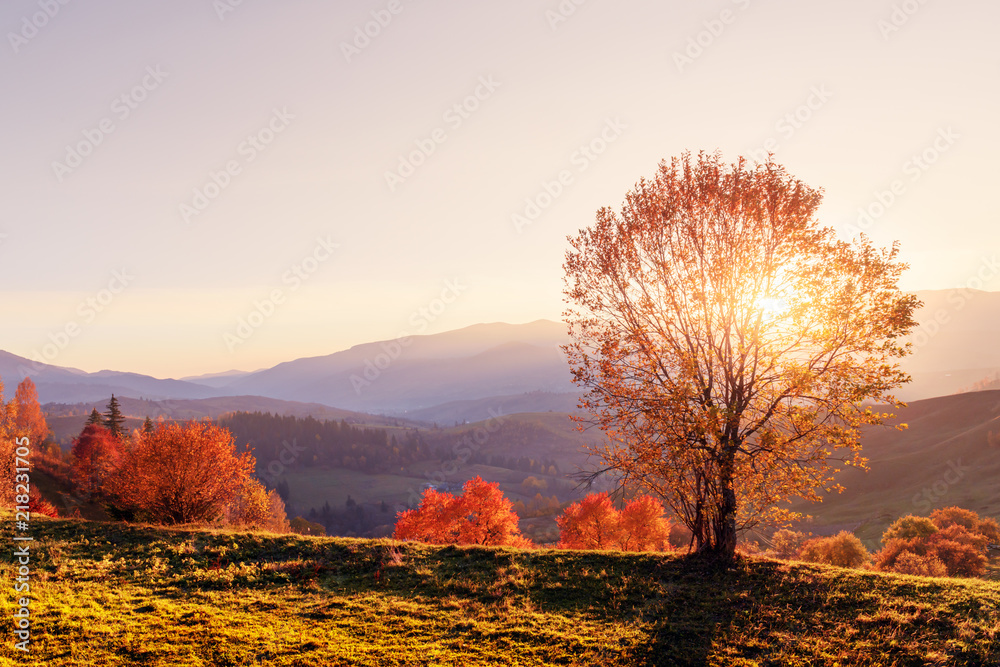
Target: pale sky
(115, 112)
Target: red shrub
(594, 523)
(481, 515)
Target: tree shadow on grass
(702, 606)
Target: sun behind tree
(727, 341)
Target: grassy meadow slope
(113, 594)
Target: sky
(204, 185)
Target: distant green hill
(113, 595)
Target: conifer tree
(95, 418)
(114, 421)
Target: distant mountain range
(454, 376)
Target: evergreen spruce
(147, 426)
(114, 421)
(95, 418)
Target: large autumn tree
(181, 473)
(727, 342)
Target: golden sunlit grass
(112, 594)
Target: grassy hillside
(111, 594)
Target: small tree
(96, 457)
(481, 515)
(148, 426)
(642, 526)
(8, 446)
(95, 418)
(277, 518)
(30, 420)
(114, 421)
(594, 523)
(250, 507)
(182, 473)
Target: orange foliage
(956, 538)
(481, 515)
(726, 341)
(182, 473)
(594, 523)
(30, 420)
(96, 456)
(843, 549)
(41, 506)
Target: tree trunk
(725, 518)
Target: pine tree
(95, 418)
(147, 426)
(113, 419)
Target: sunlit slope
(115, 595)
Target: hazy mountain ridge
(955, 347)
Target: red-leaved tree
(181, 473)
(594, 523)
(30, 419)
(481, 515)
(96, 457)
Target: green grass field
(113, 594)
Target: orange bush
(927, 565)
(481, 515)
(843, 549)
(958, 541)
(594, 523)
(591, 523)
(786, 543)
(181, 473)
